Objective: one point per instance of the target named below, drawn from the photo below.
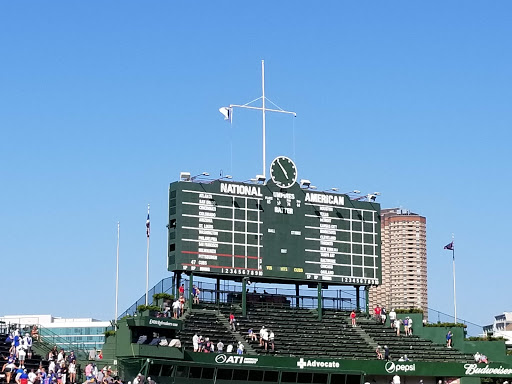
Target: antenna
(227, 112)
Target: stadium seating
(32, 363)
(298, 332)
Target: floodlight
(260, 178)
(333, 189)
(201, 174)
(304, 183)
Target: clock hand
(284, 171)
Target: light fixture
(333, 189)
(260, 178)
(222, 177)
(184, 176)
(356, 191)
(201, 174)
(304, 183)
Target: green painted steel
(265, 232)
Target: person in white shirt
(220, 346)
(229, 349)
(396, 379)
(195, 342)
(32, 377)
(392, 318)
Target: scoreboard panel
(269, 233)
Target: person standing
(392, 317)
(449, 337)
(353, 318)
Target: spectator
(392, 317)
(386, 353)
(181, 290)
(32, 377)
(71, 357)
(229, 348)
(449, 337)
(72, 370)
(396, 379)
(383, 315)
(195, 342)
(35, 332)
(176, 343)
(21, 356)
(252, 335)
(176, 309)
(353, 318)
(182, 305)
(266, 335)
(410, 326)
(377, 312)
(196, 293)
(142, 339)
(271, 338)
(477, 357)
(207, 345)
(88, 371)
(220, 346)
(163, 342)
(232, 322)
(397, 323)
(262, 331)
(151, 381)
(406, 326)
(378, 352)
(240, 348)
(27, 345)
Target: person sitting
(252, 335)
(142, 339)
(163, 342)
(379, 353)
(477, 357)
(403, 358)
(156, 339)
(483, 359)
(240, 348)
(229, 348)
(175, 343)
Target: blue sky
(102, 104)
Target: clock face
(283, 172)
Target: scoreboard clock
(283, 172)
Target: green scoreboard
(275, 230)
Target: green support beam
(244, 296)
(190, 300)
(319, 301)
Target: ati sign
(317, 364)
(223, 359)
(391, 367)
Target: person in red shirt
(353, 318)
(182, 289)
(232, 321)
(377, 312)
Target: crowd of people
(203, 344)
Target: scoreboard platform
(268, 232)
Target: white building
(68, 333)
(502, 327)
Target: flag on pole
(447, 246)
(147, 226)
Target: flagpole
(147, 257)
(117, 272)
(263, 110)
(454, 292)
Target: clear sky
(103, 103)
